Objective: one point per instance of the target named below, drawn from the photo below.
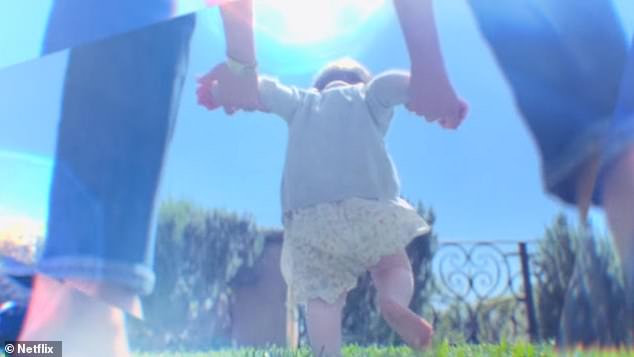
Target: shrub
(198, 253)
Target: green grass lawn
(440, 350)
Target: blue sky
(483, 180)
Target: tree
(198, 253)
(580, 298)
(555, 263)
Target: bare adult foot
(85, 325)
(413, 329)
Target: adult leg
(618, 201)
(618, 186)
(86, 325)
(75, 23)
(394, 282)
(564, 61)
(120, 100)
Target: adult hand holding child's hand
(223, 87)
(436, 100)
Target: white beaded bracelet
(240, 68)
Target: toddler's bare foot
(413, 329)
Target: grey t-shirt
(336, 147)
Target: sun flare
(313, 21)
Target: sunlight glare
(312, 21)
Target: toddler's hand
(454, 124)
(432, 96)
(236, 91)
(205, 94)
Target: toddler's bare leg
(394, 282)
(323, 321)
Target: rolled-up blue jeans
(120, 100)
(565, 62)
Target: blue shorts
(565, 61)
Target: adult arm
(431, 93)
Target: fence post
(528, 294)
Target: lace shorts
(327, 247)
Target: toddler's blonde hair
(344, 69)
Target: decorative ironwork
(484, 290)
(480, 292)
